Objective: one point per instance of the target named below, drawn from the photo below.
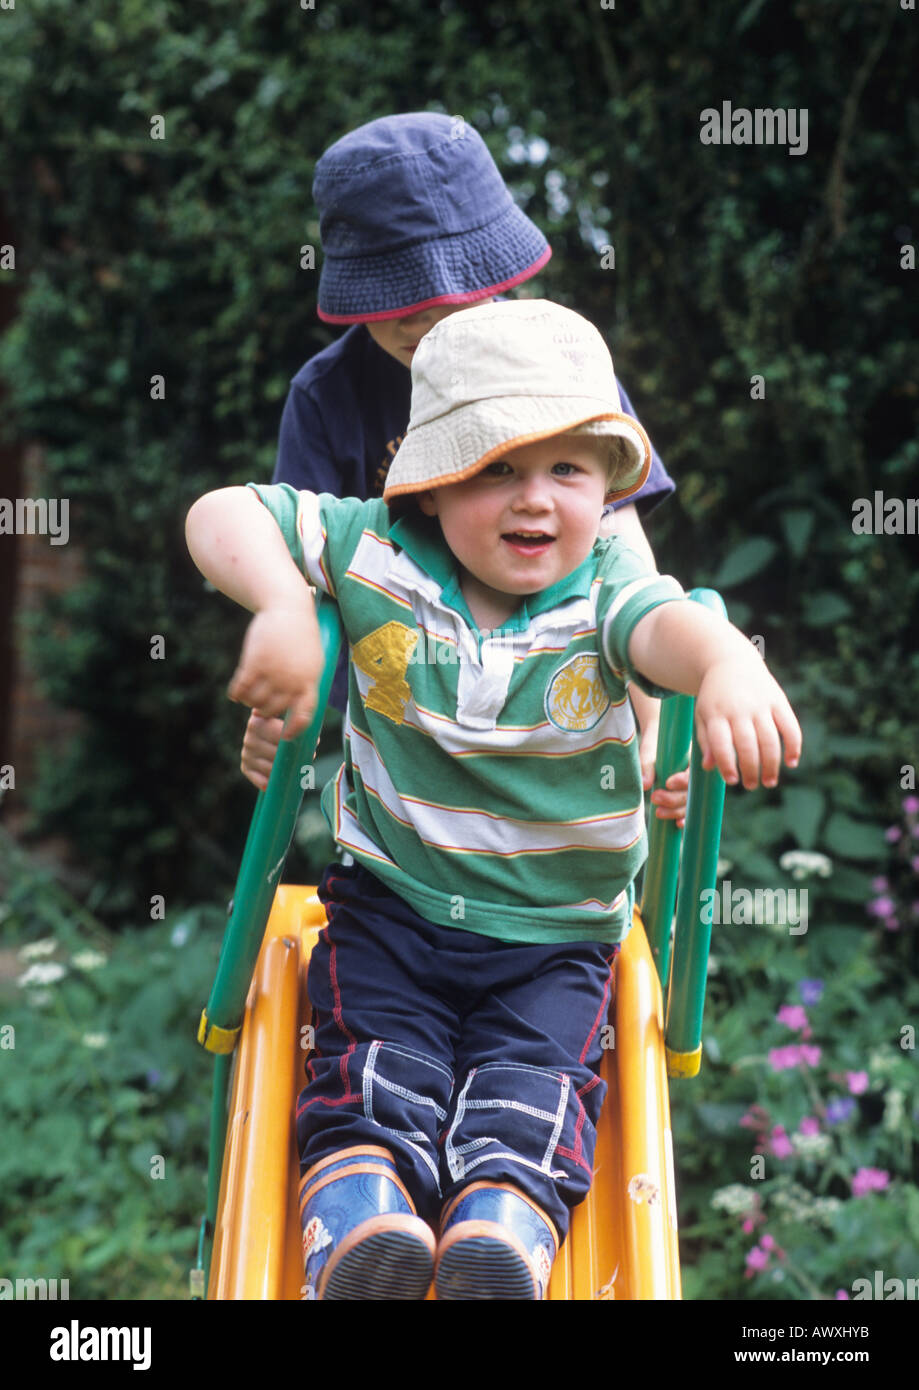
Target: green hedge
(179, 257)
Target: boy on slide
(459, 990)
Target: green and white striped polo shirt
(493, 780)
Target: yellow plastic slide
(623, 1238)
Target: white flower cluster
(735, 1199)
(42, 975)
(804, 864)
(36, 949)
(88, 960)
(795, 1203)
(811, 1145)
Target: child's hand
(259, 748)
(280, 665)
(670, 800)
(741, 710)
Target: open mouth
(528, 542)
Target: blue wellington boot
(361, 1237)
(495, 1243)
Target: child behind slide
(416, 223)
(448, 1122)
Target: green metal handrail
(270, 833)
(672, 878)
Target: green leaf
(825, 608)
(803, 807)
(744, 561)
(797, 525)
(855, 839)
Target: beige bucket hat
(492, 377)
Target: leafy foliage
(139, 258)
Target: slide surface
(623, 1239)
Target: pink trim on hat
(470, 297)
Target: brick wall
(41, 569)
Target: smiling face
(524, 522)
(399, 337)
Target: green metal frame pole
(692, 934)
(270, 833)
(266, 849)
(662, 869)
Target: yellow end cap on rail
(684, 1063)
(216, 1039)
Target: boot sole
(483, 1267)
(390, 1262)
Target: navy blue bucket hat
(413, 212)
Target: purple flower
(869, 1180)
(857, 1081)
(809, 1125)
(793, 1016)
(891, 924)
(911, 805)
(756, 1259)
(892, 834)
(882, 907)
(839, 1110)
(879, 884)
(811, 990)
(783, 1058)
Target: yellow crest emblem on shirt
(576, 698)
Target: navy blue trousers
(467, 1057)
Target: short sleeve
(321, 532)
(629, 591)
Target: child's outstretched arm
(237, 545)
(742, 714)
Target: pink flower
(881, 907)
(911, 805)
(841, 1293)
(809, 1125)
(879, 884)
(869, 1180)
(756, 1260)
(793, 1055)
(781, 1144)
(892, 834)
(857, 1081)
(793, 1016)
(766, 1242)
